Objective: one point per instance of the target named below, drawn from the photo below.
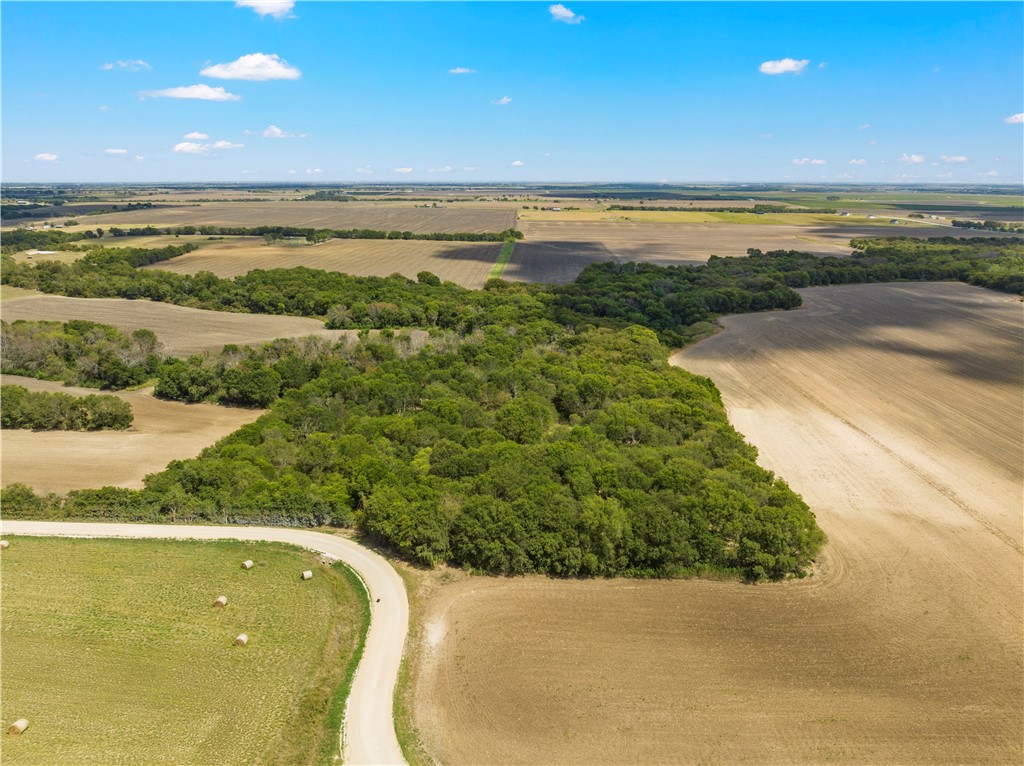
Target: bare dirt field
(326, 215)
(896, 411)
(465, 263)
(556, 251)
(59, 461)
(182, 331)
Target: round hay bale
(4, 544)
(242, 639)
(307, 575)
(221, 601)
(18, 726)
(247, 564)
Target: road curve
(369, 729)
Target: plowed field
(465, 263)
(386, 216)
(896, 411)
(58, 461)
(556, 251)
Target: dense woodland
(540, 429)
(57, 411)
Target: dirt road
(369, 734)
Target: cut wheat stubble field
(60, 461)
(465, 263)
(895, 410)
(181, 330)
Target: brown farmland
(896, 411)
(556, 251)
(386, 216)
(182, 330)
(465, 263)
(59, 461)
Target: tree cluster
(45, 411)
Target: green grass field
(113, 651)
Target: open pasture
(465, 263)
(115, 654)
(386, 216)
(181, 330)
(59, 461)
(896, 411)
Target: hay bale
(307, 575)
(4, 544)
(247, 564)
(18, 726)
(242, 639)
(221, 601)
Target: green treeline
(45, 411)
(990, 226)
(79, 353)
(520, 448)
(758, 208)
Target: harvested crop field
(556, 251)
(115, 654)
(182, 331)
(896, 411)
(465, 263)
(59, 461)
(388, 216)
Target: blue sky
(270, 90)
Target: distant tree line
(759, 208)
(45, 411)
(990, 226)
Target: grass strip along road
(369, 733)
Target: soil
(896, 411)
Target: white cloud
(273, 131)
(291, 172)
(1014, 119)
(943, 175)
(469, 168)
(103, 108)
(822, 65)
(560, 13)
(445, 169)
(911, 159)
(132, 65)
(954, 158)
(502, 101)
(116, 151)
(517, 164)
(365, 171)
(139, 158)
(226, 145)
(461, 70)
(547, 154)
(403, 170)
(46, 157)
(313, 171)
(992, 174)
(253, 66)
(191, 147)
(865, 126)
(783, 66)
(808, 161)
(195, 135)
(201, 92)
(279, 9)
(858, 162)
